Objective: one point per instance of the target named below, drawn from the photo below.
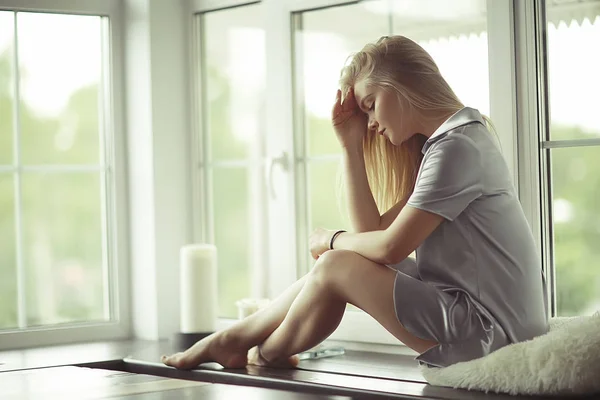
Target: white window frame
(203, 166)
(534, 141)
(114, 188)
(283, 269)
(532, 125)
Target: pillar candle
(198, 283)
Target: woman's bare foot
(255, 358)
(219, 347)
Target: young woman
(410, 148)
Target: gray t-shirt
(484, 247)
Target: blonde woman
(413, 150)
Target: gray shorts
(464, 329)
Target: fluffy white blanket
(566, 360)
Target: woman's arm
(389, 246)
(364, 215)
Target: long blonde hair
(399, 64)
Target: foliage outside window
(53, 179)
(573, 80)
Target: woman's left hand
(319, 241)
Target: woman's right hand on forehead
(348, 120)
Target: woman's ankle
(233, 339)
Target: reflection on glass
(7, 85)
(325, 209)
(572, 39)
(324, 40)
(232, 237)
(62, 252)
(235, 65)
(454, 33)
(573, 79)
(60, 63)
(576, 219)
(326, 206)
(8, 261)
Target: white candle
(198, 283)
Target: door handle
(283, 161)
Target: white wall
(157, 125)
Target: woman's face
(388, 115)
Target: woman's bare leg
(339, 277)
(230, 347)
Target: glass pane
(232, 237)
(235, 65)
(59, 67)
(8, 260)
(576, 222)
(572, 52)
(324, 40)
(451, 31)
(62, 247)
(325, 210)
(7, 85)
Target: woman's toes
(179, 360)
(294, 361)
(171, 361)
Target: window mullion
(543, 114)
(199, 142)
(205, 154)
(21, 275)
(301, 145)
(531, 113)
(501, 59)
(106, 176)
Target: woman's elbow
(393, 254)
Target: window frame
(203, 166)
(535, 142)
(114, 186)
(532, 125)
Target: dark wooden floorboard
(85, 383)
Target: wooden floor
(90, 383)
(132, 370)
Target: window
(572, 153)
(232, 78)
(58, 262)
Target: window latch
(281, 160)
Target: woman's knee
(330, 266)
